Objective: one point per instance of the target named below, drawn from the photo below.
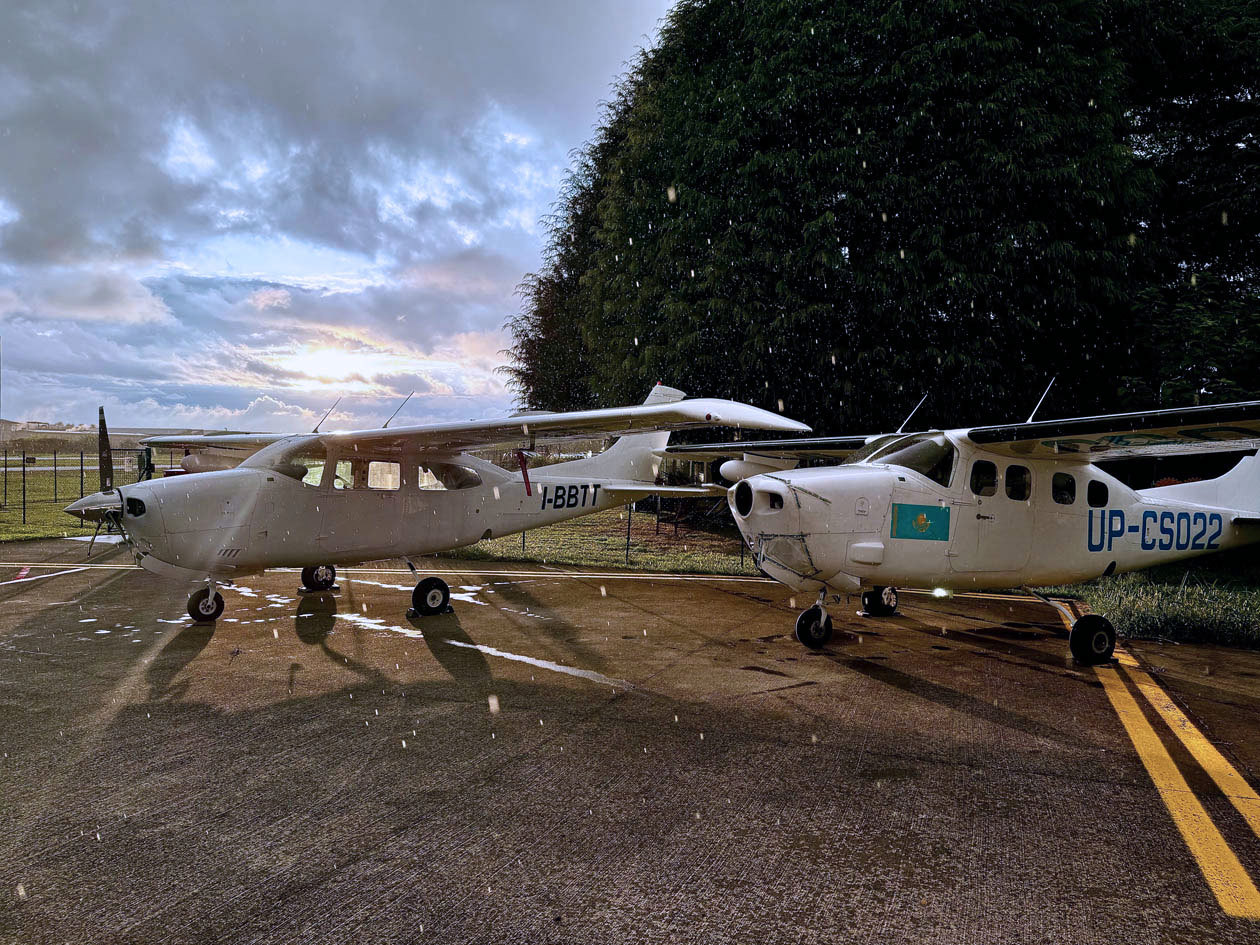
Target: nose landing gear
(813, 626)
(203, 607)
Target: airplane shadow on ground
(179, 651)
(316, 620)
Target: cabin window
(930, 455)
(983, 477)
(1097, 494)
(1063, 488)
(439, 477)
(1018, 483)
(385, 476)
(303, 461)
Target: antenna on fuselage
(1043, 397)
(912, 413)
(400, 407)
(325, 416)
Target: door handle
(987, 518)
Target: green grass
(599, 540)
(44, 515)
(1215, 599)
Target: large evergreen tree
(838, 206)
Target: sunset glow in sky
(229, 216)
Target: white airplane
(319, 500)
(987, 507)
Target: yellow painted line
(1232, 784)
(1225, 875)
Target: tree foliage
(831, 207)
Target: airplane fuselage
(996, 522)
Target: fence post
(80, 474)
(54, 475)
(6, 479)
(23, 487)
(629, 512)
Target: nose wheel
(203, 607)
(813, 627)
(431, 596)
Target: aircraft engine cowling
(734, 470)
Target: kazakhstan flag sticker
(928, 522)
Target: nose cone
(95, 507)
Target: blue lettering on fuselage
(1156, 530)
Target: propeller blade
(105, 457)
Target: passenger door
(995, 518)
(363, 509)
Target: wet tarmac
(601, 758)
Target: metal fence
(34, 487)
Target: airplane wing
(246, 443)
(527, 429)
(1215, 428)
(825, 447)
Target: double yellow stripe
(1225, 875)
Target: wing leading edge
(1214, 428)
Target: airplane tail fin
(1237, 489)
(635, 455)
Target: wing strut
(520, 458)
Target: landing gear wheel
(203, 608)
(880, 601)
(813, 627)
(430, 597)
(320, 577)
(1092, 640)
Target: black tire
(319, 577)
(1092, 640)
(202, 608)
(880, 601)
(813, 628)
(430, 597)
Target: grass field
(45, 495)
(1215, 599)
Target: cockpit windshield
(929, 454)
(303, 460)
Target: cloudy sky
(230, 214)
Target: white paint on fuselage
(834, 527)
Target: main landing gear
(431, 596)
(319, 577)
(1092, 640)
(879, 602)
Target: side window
(1018, 483)
(437, 477)
(983, 477)
(1063, 488)
(1096, 493)
(384, 475)
(349, 474)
